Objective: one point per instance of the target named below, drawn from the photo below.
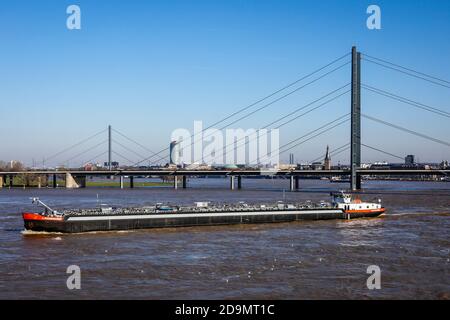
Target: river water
(299, 260)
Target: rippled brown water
(304, 260)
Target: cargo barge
(202, 214)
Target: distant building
(365, 165)
(327, 160)
(291, 158)
(114, 164)
(409, 159)
(317, 166)
(90, 167)
(198, 166)
(282, 166)
(174, 152)
(443, 164)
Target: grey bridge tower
(355, 138)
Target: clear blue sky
(149, 67)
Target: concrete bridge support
(11, 181)
(73, 182)
(232, 184)
(54, 181)
(175, 182)
(239, 182)
(121, 182)
(1, 181)
(293, 183)
(131, 182)
(184, 182)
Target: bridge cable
(123, 157)
(340, 151)
(280, 90)
(317, 129)
(382, 151)
(126, 148)
(407, 101)
(85, 151)
(305, 106)
(286, 122)
(406, 130)
(331, 152)
(314, 136)
(265, 106)
(137, 143)
(408, 73)
(260, 100)
(311, 132)
(75, 145)
(405, 68)
(97, 156)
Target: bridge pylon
(355, 135)
(109, 148)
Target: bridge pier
(175, 182)
(73, 182)
(54, 181)
(1, 181)
(121, 182)
(239, 180)
(232, 186)
(11, 181)
(293, 183)
(131, 182)
(184, 182)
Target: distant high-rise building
(327, 160)
(409, 159)
(291, 158)
(174, 152)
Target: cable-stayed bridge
(117, 145)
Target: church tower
(327, 160)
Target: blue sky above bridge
(149, 67)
